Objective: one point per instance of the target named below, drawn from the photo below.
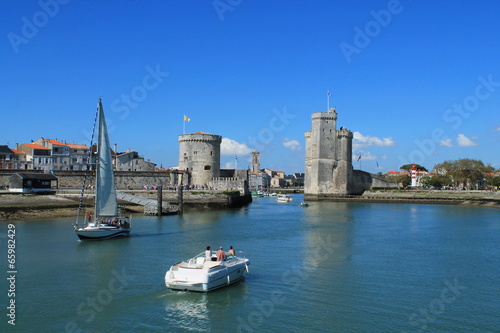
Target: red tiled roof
(77, 146)
(18, 152)
(34, 146)
(55, 142)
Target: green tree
(407, 167)
(404, 180)
(436, 181)
(492, 180)
(465, 171)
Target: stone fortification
(135, 180)
(199, 155)
(328, 164)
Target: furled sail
(105, 199)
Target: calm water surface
(330, 267)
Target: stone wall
(231, 184)
(135, 179)
(380, 181)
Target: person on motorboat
(208, 253)
(221, 255)
(232, 251)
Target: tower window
(207, 167)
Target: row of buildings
(50, 155)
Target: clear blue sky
(415, 81)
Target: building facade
(131, 161)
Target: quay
(64, 202)
(435, 197)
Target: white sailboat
(105, 221)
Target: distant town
(328, 172)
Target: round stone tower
(199, 154)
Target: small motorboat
(202, 274)
(304, 204)
(284, 198)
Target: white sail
(105, 198)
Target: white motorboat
(105, 222)
(202, 274)
(284, 198)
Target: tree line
(466, 172)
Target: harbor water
(329, 267)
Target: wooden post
(181, 201)
(160, 201)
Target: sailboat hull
(98, 233)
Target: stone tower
(328, 169)
(255, 162)
(199, 154)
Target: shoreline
(19, 206)
(14, 207)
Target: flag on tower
(186, 118)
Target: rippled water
(330, 267)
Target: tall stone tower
(255, 162)
(328, 169)
(199, 154)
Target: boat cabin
(32, 182)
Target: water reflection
(198, 311)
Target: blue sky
(415, 81)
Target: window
(207, 167)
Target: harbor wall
(133, 180)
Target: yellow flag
(186, 118)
